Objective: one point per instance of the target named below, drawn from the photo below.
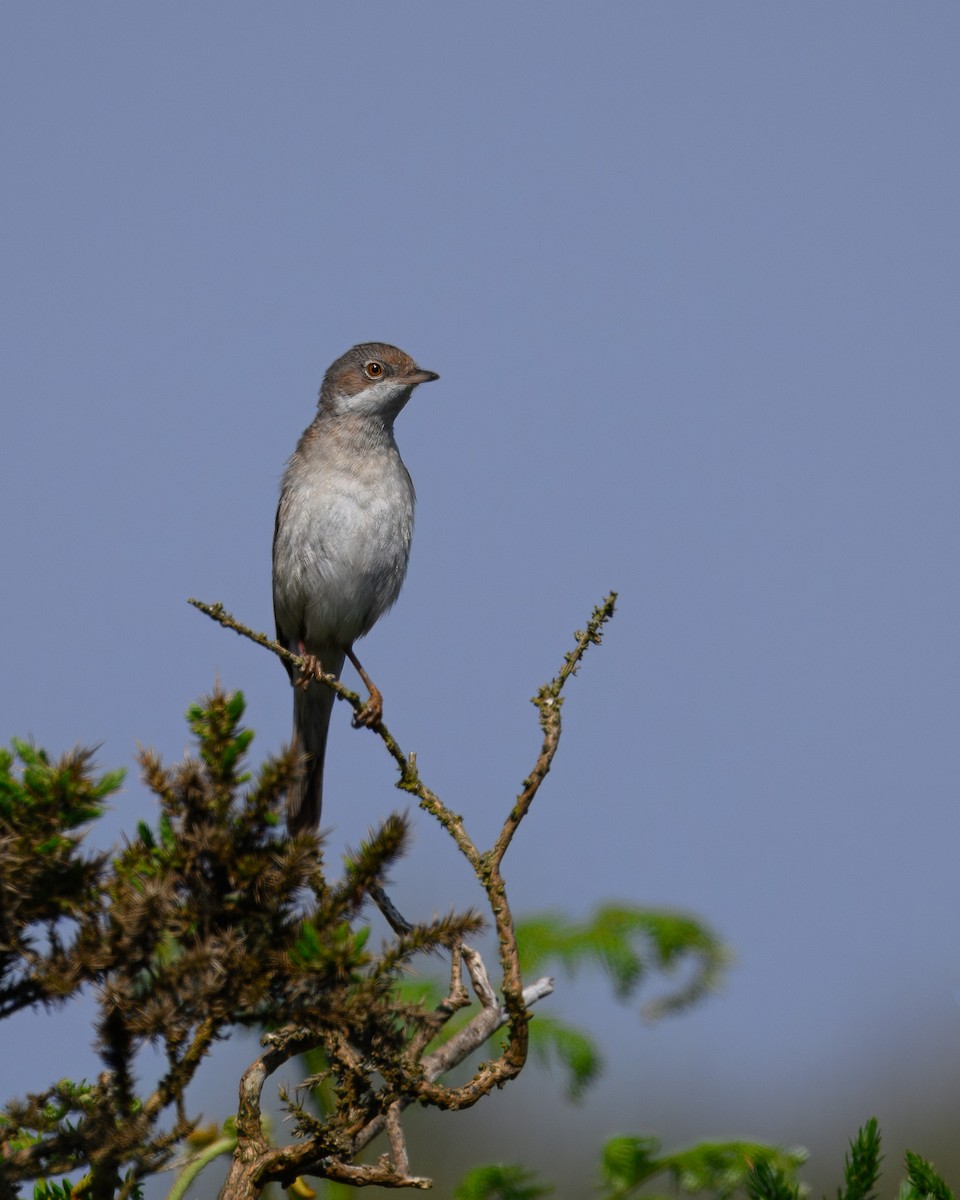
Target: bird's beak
(419, 376)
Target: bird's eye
(373, 369)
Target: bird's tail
(311, 720)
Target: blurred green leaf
(627, 944)
(552, 1040)
(501, 1182)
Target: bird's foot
(308, 670)
(372, 712)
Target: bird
(341, 544)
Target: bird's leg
(372, 712)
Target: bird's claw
(372, 712)
(309, 667)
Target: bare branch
(398, 1144)
(283, 1045)
(548, 701)
(381, 1175)
(479, 978)
(394, 918)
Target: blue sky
(689, 274)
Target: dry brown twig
(255, 1161)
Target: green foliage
(765, 1182)
(500, 1183)
(552, 1040)
(629, 1164)
(627, 944)
(723, 1170)
(923, 1181)
(49, 894)
(861, 1167)
(626, 1163)
(52, 1189)
(206, 922)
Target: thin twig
(394, 918)
(479, 978)
(381, 1175)
(548, 701)
(457, 997)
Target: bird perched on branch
(341, 542)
